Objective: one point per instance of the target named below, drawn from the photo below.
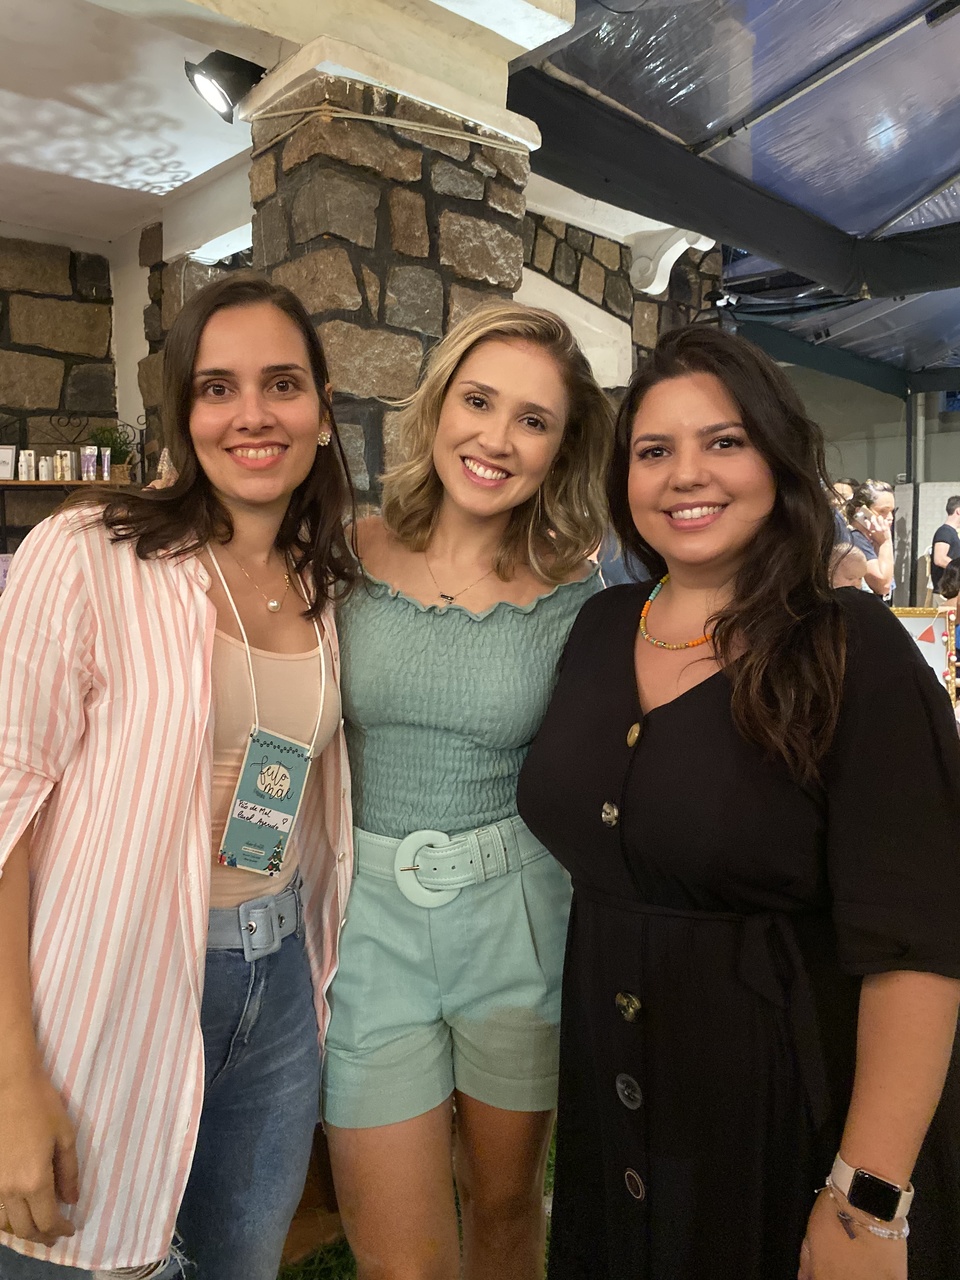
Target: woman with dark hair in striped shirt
(169, 727)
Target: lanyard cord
(246, 646)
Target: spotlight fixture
(222, 80)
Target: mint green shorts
(461, 996)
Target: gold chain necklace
(444, 595)
(273, 605)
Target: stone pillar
(388, 236)
(169, 285)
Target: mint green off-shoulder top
(440, 705)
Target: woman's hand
(828, 1253)
(38, 1159)
(877, 528)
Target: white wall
(866, 430)
(130, 297)
(207, 209)
(604, 339)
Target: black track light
(222, 80)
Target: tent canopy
(822, 137)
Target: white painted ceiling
(97, 120)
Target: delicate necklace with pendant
(444, 595)
(663, 644)
(273, 604)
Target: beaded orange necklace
(663, 644)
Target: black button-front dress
(722, 919)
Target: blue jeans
(260, 1109)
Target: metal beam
(923, 261)
(785, 346)
(916, 17)
(934, 380)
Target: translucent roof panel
(919, 332)
(935, 212)
(863, 146)
(694, 67)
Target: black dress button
(633, 735)
(609, 815)
(628, 1006)
(635, 1184)
(628, 1091)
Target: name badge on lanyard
(272, 779)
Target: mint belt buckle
(405, 869)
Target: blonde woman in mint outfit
(446, 1003)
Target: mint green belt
(430, 867)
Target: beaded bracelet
(848, 1221)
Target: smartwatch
(872, 1195)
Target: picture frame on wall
(935, 634)
(8, 461)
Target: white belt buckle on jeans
(405, 869)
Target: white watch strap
(841, 1175)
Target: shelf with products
(20, 486)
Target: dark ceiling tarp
(848, 109)
(605, 154)
(822, 137)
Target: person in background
(442, 1051)
(613, 570)
(160, 1003)
(840, 494)
(950, 591)
(946, 543)
(950, 582)
(848, 565)
(763, 963)
(870, 517)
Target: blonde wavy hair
(565, 520)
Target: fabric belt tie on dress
(256, 927)
(430, 867)
(770, 963)
(770, 959)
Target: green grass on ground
(335, 1263)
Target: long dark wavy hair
(187, 515)
(782, 638)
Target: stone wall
(57, 376)
(388, 236)
(56, 316)
(598, 270)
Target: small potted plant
(109, 436)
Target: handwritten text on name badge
(261, 816)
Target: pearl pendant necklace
(273, 605)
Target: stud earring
(324, 437)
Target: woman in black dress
(764, 949)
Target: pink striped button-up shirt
(106, 733)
